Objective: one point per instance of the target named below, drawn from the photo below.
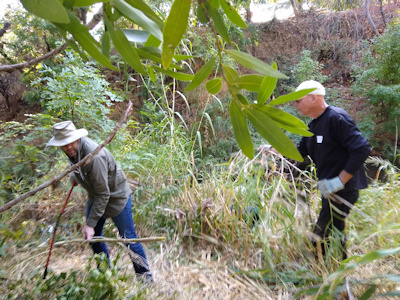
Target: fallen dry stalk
(108, 240)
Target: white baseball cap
(65, 133)
(312, 84)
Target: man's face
(71, 150)
(305, 105)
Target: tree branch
(84, 161)
(9, 68)
(6, 26)
(371, 22)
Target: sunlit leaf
(138, 17)
(147, 10)
(267, 128)
(213, 86)
(218, 22)
(290, 97)
(232, 14)
(267, 88)
(176, 75)
(136, 36)
(125, 48)
(47, 9)
(174, 29)
(202, 74)
(255, 64)
(240, 129)
(249, 82)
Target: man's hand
(88, 232)
(330, 186)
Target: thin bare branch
(85, 160)
(9, 68)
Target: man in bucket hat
(109, 192)
(338, 150)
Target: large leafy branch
(157, 55)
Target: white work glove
(330, 186)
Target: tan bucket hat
(65, 133)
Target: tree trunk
(295, 10)
(371, 22)
(383, 13)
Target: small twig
(85, 160)
(108, 240)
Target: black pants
(329, 217)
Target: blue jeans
(126, 228)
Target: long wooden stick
(85, 160)
(108, 240)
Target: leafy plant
(308, 69)
(76, 91)
(378, 78)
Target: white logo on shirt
(320, 139)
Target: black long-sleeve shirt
(337, 144)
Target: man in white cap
(109, 192)
(338, 150)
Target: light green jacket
(104, 181)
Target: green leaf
(290, 97)
(138, 17)
(214, 3)
(176, 75)
(147, 10)
(153, 54)
(105, 44)
(174, 29)
(218, 22)
(255, 64)
(230, 74)
(179, 57)
(125, 48)
(202, 74)
(210, 122)
(47, 9)
(267, 128)
(249, 82)
(86, 41)
(267, 87)
(80, 3)
(68, 4)
(232, 14)
(199, 139)
(152, 41)
(136, 36)
(201, 16)
(213, 86)
(241, 130)
(368, 293)
(281, 116)
(152, 75)
(242, 99)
